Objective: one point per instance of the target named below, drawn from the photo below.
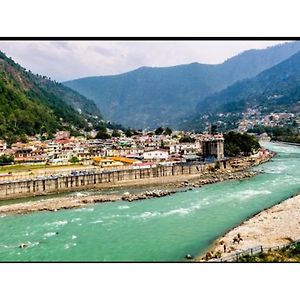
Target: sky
(67, 60)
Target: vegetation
(279, 133)
(74, 160)
(72, 98)
(168, 131)
(239, 144)
(103, 134)
(214, 129)
(159, 131)
(186, 139)
(128, 133)
(217, 165)
(31, 104)
(6, 159)
(287, 254)
(115, 133)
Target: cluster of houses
(138, 149)
(253, 118)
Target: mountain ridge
(283, 78)
(274, 90)
(154, 96)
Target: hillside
(148, 97)
(276, 89)
(71, 97)
(31, 104)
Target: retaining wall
(42, 186)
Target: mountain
(150, 97)
(71, 97)
(31, 104)
(275, 89)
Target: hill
(150, 97)
(276, 89)
(69, 96)
(32, 104)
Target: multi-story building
(213, 147)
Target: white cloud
(66, 60)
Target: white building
(156, 155)
(3, 146)
(186, 148)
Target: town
(141, 149)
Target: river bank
(173, 185)
(164, 186)
(271, 227)
(131, 177)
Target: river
(161, 229)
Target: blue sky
(66, 60)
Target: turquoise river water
(163, 229)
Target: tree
(168, 131)
(237, 144)
(187, 139)
(115, 133)
(159, 131)
(102, 134)
(214, 129)
(128, 133)
(6, 159)
(74, 160)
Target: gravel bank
(272, 227)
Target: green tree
(187, 139)
(115, 133)
(128, 133)
(168, 131)
(103, 135)
(74, 160)
(214, 129)
(6, 159)
(159, 131)
(240, 144)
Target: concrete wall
(29, 187)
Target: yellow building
(107, 162)
(125, 160)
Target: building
(186, 148)
(156, 155)
(213, 147)
(60, 135)
(3, 146)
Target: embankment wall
(29, 187)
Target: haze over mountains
(151, 97)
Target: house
(106, 162)
(60, 135)
(3, 146)
(186, 148)
(158, 154)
